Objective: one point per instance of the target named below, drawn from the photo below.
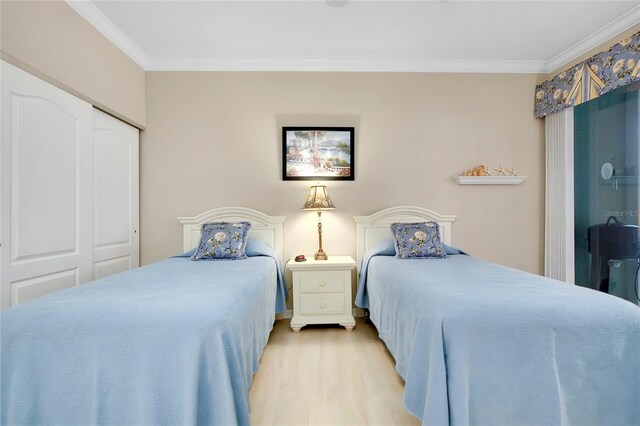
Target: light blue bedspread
(482, 344)
(176, 342)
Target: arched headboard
(372, 229)
(263, 227)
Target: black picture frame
(318, 153)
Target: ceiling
(338, 35)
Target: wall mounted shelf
(489, 180)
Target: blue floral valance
(589, 79)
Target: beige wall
(50, 40)
(214, 139)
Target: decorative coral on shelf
(481, 170)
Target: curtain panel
(559, 254)
(591, 78)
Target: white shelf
(489, 180)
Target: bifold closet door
(46, 190)
(115, 195)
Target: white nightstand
(322, 292)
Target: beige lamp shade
(318, 199)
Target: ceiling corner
(100, 22)
(595, 39)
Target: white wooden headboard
(263, 227)
(373, 229)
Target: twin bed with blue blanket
(174, 342)
(479, 343)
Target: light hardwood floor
(325, 375)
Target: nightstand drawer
(318, 305)
(329, 281)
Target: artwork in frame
(317, 153)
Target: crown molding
(107, 28)
(595, 39)
(321, 65)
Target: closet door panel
(44, 182)
(112, 266)
(30, 288)
(112, 173)
(115, 165)
(46, 203)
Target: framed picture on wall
(318, 153)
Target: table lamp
(319, 200)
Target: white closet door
(46, 203)
(115, 196)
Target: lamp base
(320, 255)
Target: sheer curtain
(559, 239)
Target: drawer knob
(323, 305)
(322, 283)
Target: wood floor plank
(325, 375)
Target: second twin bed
(480, 343)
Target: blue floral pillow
(417, 240)
(222, 241)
